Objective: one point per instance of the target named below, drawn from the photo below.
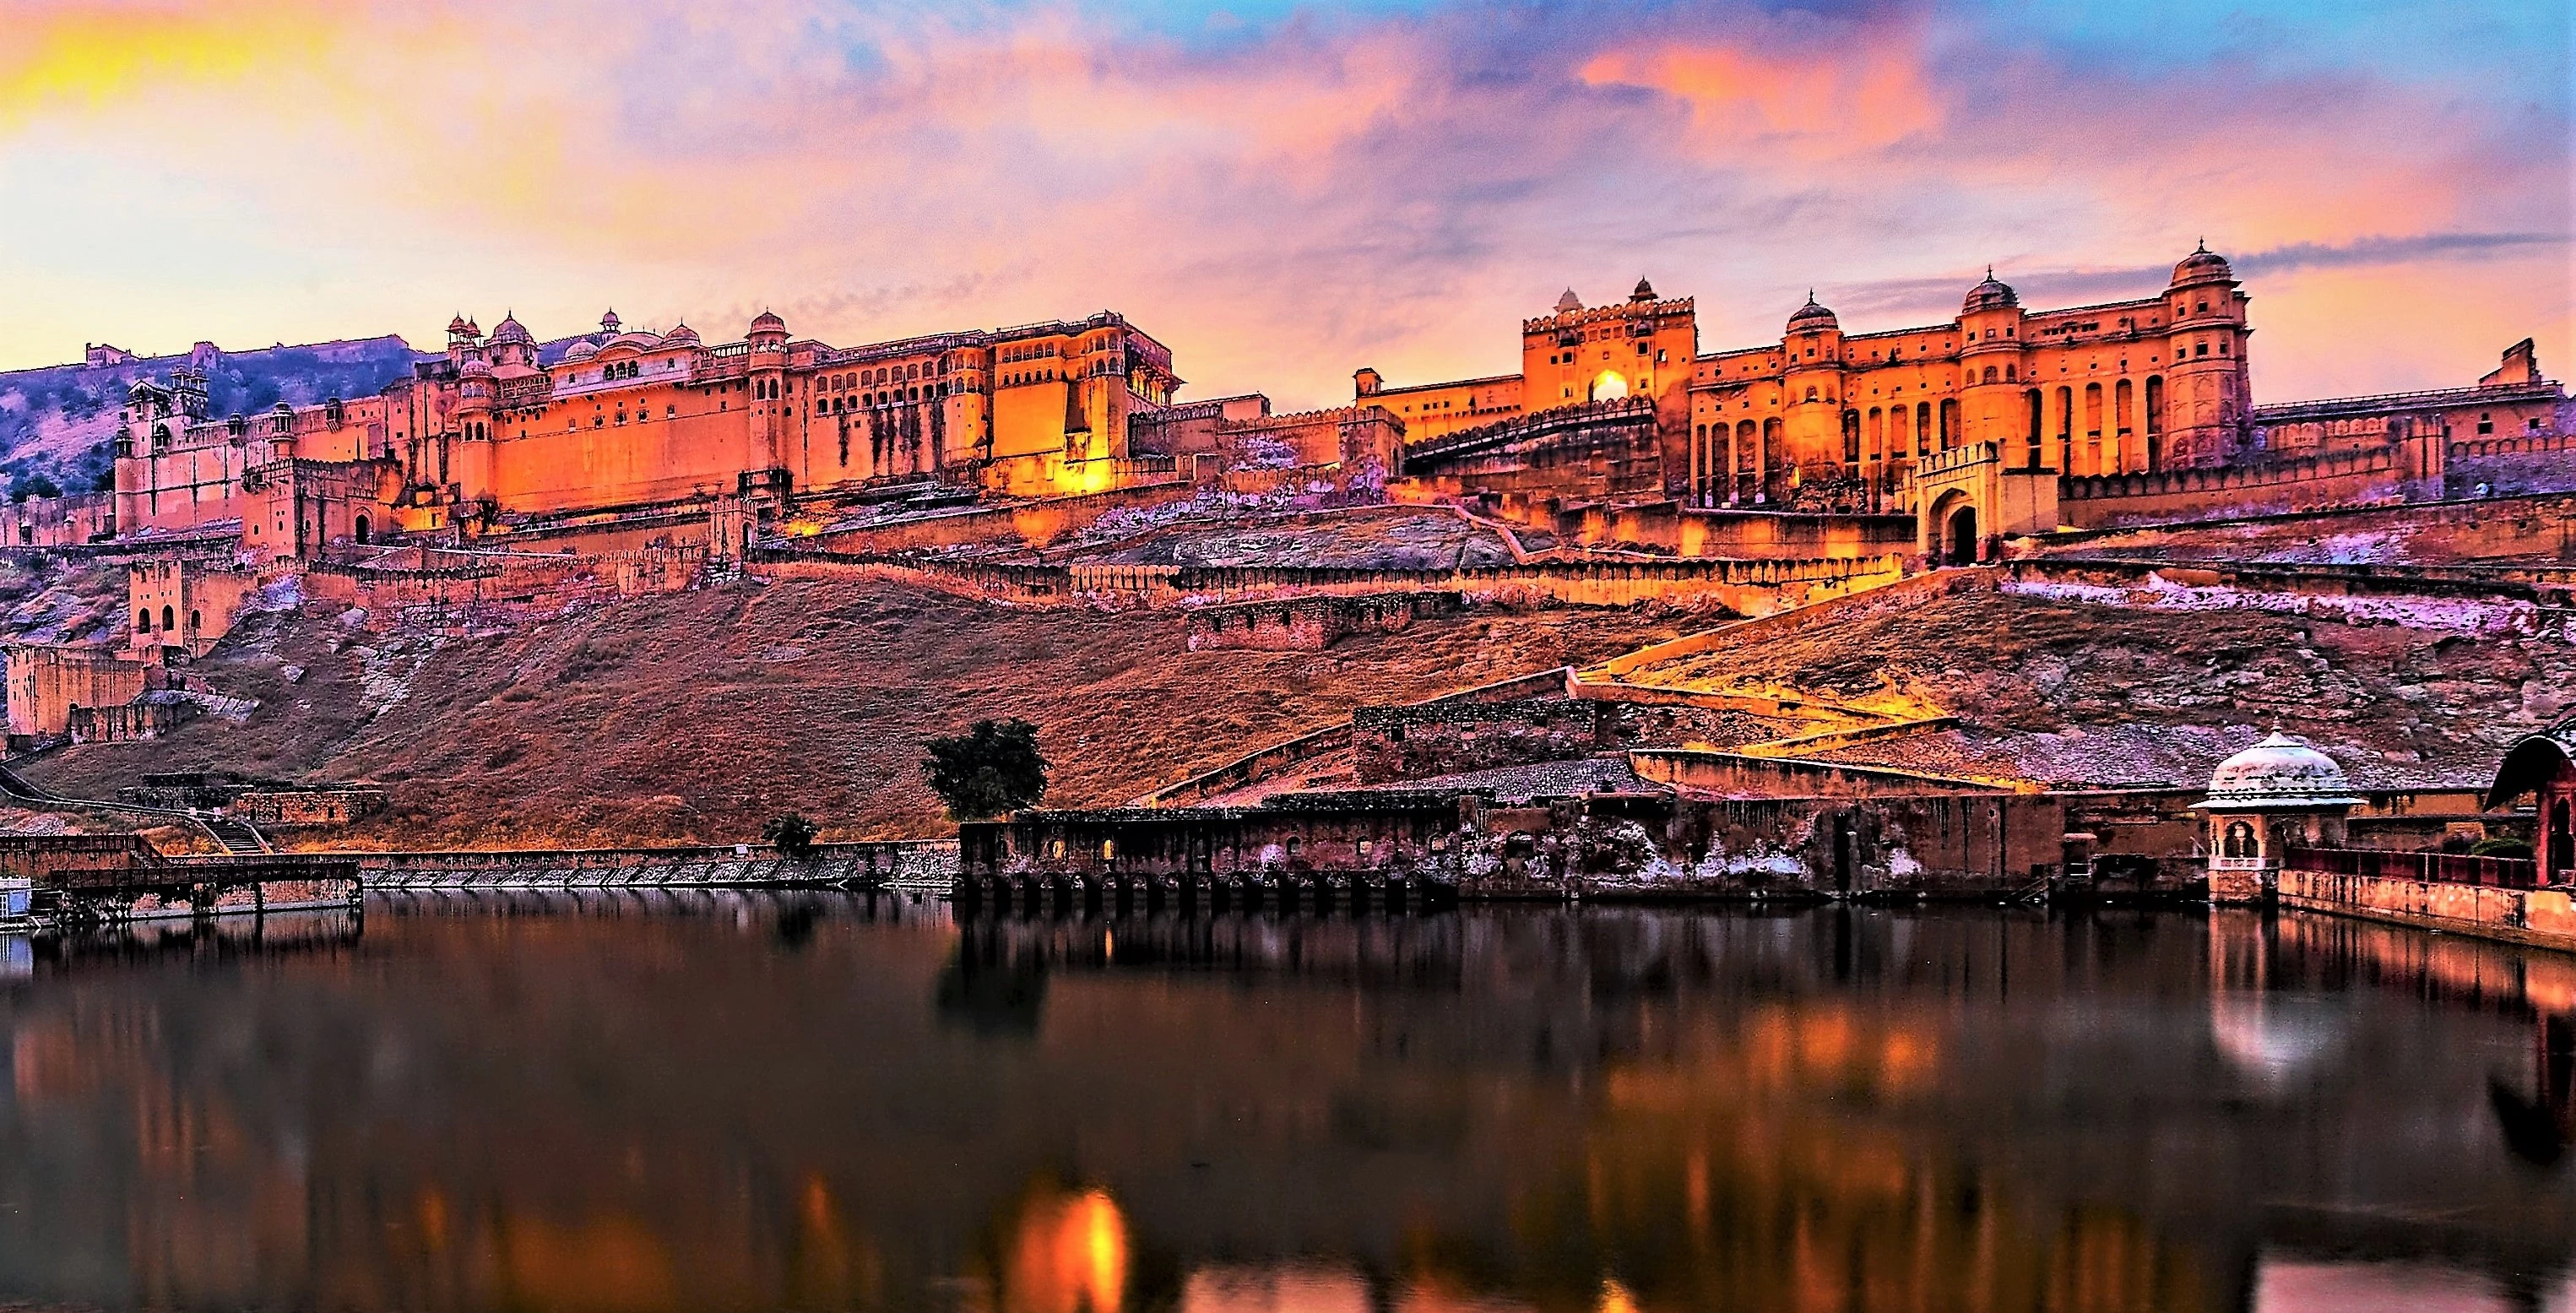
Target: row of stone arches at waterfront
(1216, 891)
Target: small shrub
(792, 835)
(2499, 848)
(992, 768)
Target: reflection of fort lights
(1615, 1298)
(1070, 1257)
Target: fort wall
(46, 683)
(58, 521)
(2303, 484)
(1750, 587)
(1311, 624)
(1451, 735)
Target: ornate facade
(620, 418)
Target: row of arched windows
(169, 620)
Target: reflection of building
(2278, 794)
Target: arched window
(1949, 422)
(2240, 841)
(1811, 394)
(2034, 438)
(143, 620)
(196, 621)
(360, 532)
(169, 619)
(1988, 376)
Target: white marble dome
(2280, 771)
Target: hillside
(57, 421)
(2079, 694)
(695, 716)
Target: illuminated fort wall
(632, 418)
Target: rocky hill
(696, 716)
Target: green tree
(992, 768)
(792, 835)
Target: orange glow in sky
(1283, 194)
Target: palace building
(1837, 419)
(2003, 420)
(629, 417)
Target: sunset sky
(1281, 191)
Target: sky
(1281, 191)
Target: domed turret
(1813, 318)
(1568, 303)
(608, 323)
(768, 322)
(1992, 294)
(474, 368)
(581, 350)
(460, 327)
(2202, 266)
(1645, 291)
(509, 332)
(681, 335)
(2279, 772)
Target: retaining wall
(2544, 918)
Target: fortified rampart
(47, 683)
(2301, 484)
(1311, 624)
(58, 521)
(1032, 523)
(2513, 466)
(440, 587)
(1751, 587)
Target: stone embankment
(927, 863)
(2543, 918)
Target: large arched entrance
(1959, 535)
(362, 528)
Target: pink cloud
(1281, 206)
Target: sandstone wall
(45, 683)
(1454, 735)
(2545, 917)
(2506, 467)
(2314, 483)
(1310, 624)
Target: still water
(741, 1102)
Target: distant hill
(57, 422)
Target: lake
(719, 1101)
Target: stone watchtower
(2280, 793)
(2207, 389)
(768, 377)
(1991, 389)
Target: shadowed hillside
(695, 716)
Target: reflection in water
(710, 1101)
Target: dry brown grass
(694, 717)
